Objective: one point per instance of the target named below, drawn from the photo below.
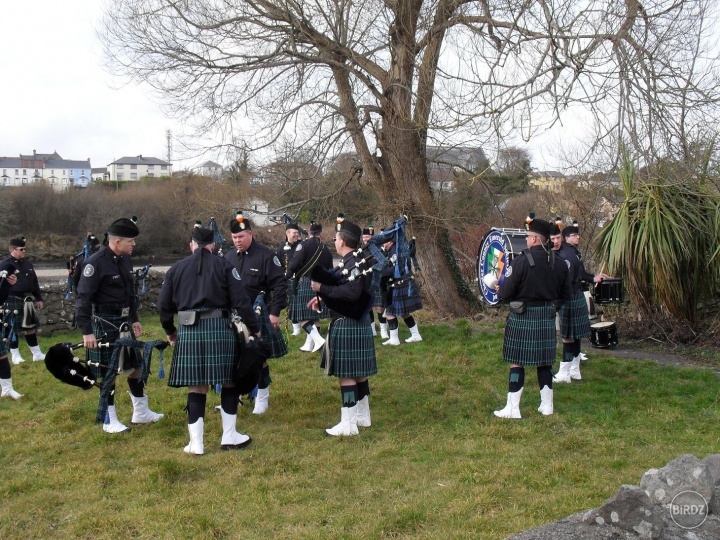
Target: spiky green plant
(663, 238)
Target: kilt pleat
(298, 301)
(405, 300)
(268, 333)
(351, 348)
(574, 318)
(204, 354)
(530, 338)
(375, 290)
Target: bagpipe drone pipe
(128, 354)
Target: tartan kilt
(298, 303)
(204, 354)
(405, 300)
(375, 290)
(574, 318)
(13, 303)
(106, 327)
(351, 348)
(272, 336)
(530, 338)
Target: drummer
(574, 318)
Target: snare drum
(603, 335)
(609, 291)
(497, 250)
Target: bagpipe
(127, 356)
(287, 220)
(220, 244)
(139, 278)
(404, 258)
(368, 258)
(250, 354)
(75, 260)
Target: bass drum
(497, 250)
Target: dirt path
(659, 358)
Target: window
(151, 167)
(133, 166)
(24, 180)
(24, 172)
(120, 176)
(163, 167)
(16, 172)
(133, 176)
(151, 174)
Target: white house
(51, 168)
(137, 167)
(209, 168)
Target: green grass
(435, 464)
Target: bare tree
(386, 78)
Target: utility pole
(168, 136)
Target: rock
(686, 473)
(631, 510)
(712, 463)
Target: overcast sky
(57, 95)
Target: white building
(135, 168)
(51, 168)
(209, 168)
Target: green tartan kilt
(273, 337)
(351, 348)
(13, 303)
(204, 354)
(298, 303)
(375, 290)
(106, 328)
(574, 318)
(530, 338)
(405, 300)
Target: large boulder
(686, 473)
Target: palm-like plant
(663, 240)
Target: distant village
(61, 173)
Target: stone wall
(57, 312)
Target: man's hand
(172, 338)
(38, 305)
(315, 286)
(89, 341)
(137, 329)
(275, 321)
(314, 304)
(12, 279)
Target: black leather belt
(110, 310)
(539, 303)
(213, 314)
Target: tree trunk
(406, 191)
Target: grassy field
(436, 463)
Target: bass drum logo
(494, 257)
